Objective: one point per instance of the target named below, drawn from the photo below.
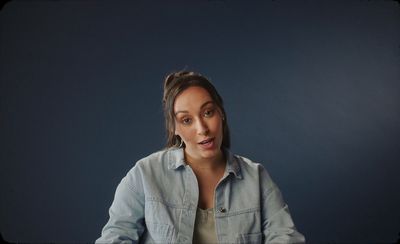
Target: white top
(204, 227)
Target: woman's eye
(209, 113)
(186, 121)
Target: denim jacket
(156, 202)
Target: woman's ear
(221, 114)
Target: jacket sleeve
(277, 224)
(126, 222)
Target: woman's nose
(202, 127)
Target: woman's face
(198, 122)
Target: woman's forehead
(192, 98)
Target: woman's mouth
(207, 144)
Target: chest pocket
(160, 217)
(245, 222)
(162, 233)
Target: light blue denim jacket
(156, 202)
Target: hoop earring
(180, 145)
(178, 138)
(222, 116)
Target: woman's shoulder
(164, 157)
(248, 166)
(245, 161)
(154, 156)
(152, 168)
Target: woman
(196, 190)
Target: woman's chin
(204, 154)
(209, 154)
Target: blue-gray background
(311, 89)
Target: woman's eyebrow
(206, 103)
(202, 106)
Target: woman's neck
(206, 163)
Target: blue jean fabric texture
(156, 202)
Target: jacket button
(222, 210)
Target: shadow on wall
(2, 239)
(3, 3)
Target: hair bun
(173, 78)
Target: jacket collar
(176, 160)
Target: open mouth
(207, 141)
(208, 144)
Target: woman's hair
(174, 84)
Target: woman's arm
(126, 223)
(277, 224)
